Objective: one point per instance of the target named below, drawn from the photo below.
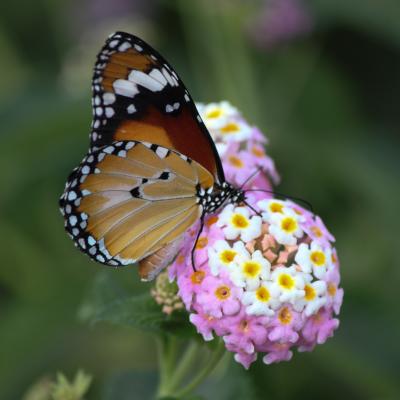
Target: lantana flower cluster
(240, 145)
(266, 275)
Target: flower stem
(167, 351)
(199, 378)
(188, 358)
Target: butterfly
(152, 169)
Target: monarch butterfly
(152, 169)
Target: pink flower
(276, 352)
(285, 325)
(219, 297)
(239, 166)
(189, 284)
(245, 359)
(244, 332)
(335, 294)
(317, 230)
(205, 324)
(319, 327)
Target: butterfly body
(152, 169)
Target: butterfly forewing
(129, 199)
(138, 96)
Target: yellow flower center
(244, 326)
(214, 113)
(236, 162)
(197, 277)
(276, 207)
(239, 221)
(331, 289)
(251, 269)
(227, 256)
(231, 127)
(317, 317)
(180, 259)
(286, 281)
(317, 232)
(263, 294)
(201, 243)
(223, 292)
(212, 220)
(257, 152)
(317, 258)
(289, 225)
(285, 316)
(310, 293)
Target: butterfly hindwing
(129, 199)
(138, 96)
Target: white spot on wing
(109, 112)
(145, 80)
(168, 77)
(100, 258)
(125, 88)
(124, 46)
(157, 75)
(72, 195)
(131, 109)
(161, 152)
(109, 149)
(108, 98)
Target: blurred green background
(322, 80)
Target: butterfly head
(216, 196)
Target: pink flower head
(281, 21)
(267, 276)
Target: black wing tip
(124, 35)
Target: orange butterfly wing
(138, 96)
(130, 199)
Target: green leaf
(109, 302)
(105, 290)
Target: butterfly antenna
(197, 239)
(258, 170)
(285, 197)
(252, 208)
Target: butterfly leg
(197, 239)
